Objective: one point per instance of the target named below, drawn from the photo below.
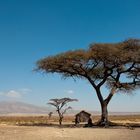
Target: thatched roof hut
(82, 116)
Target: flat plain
(42, 128)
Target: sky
(33, 29)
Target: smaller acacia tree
(60, 105)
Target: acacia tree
(114, 65)
(60, 105)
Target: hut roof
(83, 112)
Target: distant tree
(50, 114)
(112, 65)
(60, 105)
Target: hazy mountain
(23, 108)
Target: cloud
(69, 91)
(15, 93)
(25, 90)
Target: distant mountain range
(22, 108)
(8, 108)
(14, 108)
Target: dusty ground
(11, 132)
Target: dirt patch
(10, 132)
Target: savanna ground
(42, 128)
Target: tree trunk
(104, 115)
(104, 102)
(60, 120)
(60, 117)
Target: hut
(83, 116)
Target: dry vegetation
(44, 120)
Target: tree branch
(129, 69)
(112, 92)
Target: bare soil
(12, 132)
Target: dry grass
(131, 118)
(36, 120)
(24, 119)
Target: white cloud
(69, 91)
(15, 93)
